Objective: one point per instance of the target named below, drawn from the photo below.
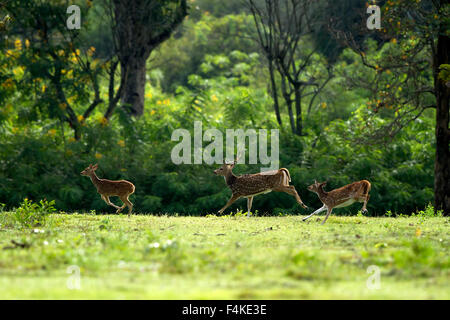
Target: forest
(350, 102)
(349, 99)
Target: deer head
(89, 170)
(226, 168)
(316, 186)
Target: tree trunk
(291, 115)
(276, 106)
(288, 100)
(134, 86)
(132, 41)
(140, 26)
(298, 110)
(442, 161)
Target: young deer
(107, 188)
(250, 185)
(341, 197)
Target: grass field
(230, 257)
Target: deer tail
(366, 187)
(286, 174)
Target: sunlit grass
(163, 257)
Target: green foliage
(444, 73)
(151, 203)
(209, 71)
(39, 160)
(30, 214)
(429, 212)
(198, 42)
(50, 65)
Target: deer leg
(328, 213)
(324, 207)
(119, 209)
(291, 190)
(364, 210)
(128, 204)
(249, 205)
(229, 203)
(106, 199)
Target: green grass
(164, 257)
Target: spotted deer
(107, 188)
(341, 197)
(250, 185)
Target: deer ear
(315, 181)
(95, 166)
(323, 183)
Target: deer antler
(236, 159)
(239, 156)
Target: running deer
(107, 188)
(341, 197)
(250, 185)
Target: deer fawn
(250, 185)
(341, 197)
(122, 188)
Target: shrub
(428, 212)
(31, 214)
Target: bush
(429, 212)
(31, 214)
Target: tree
(284, 30)
(406, 77)
(59, 73)
(46, 66)
(140, 26)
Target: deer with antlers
(107, 188)
(341, 197)
(250, 185)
